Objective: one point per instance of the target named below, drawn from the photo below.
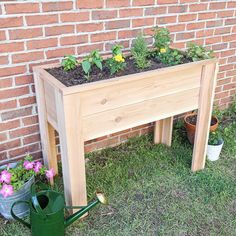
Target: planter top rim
(89, 86)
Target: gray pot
(22, 194)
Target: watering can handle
(16, 217)
(36, 203)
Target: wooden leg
(163, 131)
(208, 82)
(72, 150)
(46, 130)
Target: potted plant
(190, 122)
(96, 96)
(15, 182)
(214, 147)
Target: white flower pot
(213, 151)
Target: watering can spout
(100, 198)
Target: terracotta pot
(190, 128)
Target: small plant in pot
(215, 144)
(190, 122)
(15, 182)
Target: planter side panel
(115, 108)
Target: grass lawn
(152, 191)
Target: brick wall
(34, 32)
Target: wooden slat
(208, 83)
(111, 97)
(139, 113)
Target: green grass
(152, 191)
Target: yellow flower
(163, 50)
(119, 58)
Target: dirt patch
(193, 120)
(76, 76)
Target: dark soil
(76, 76)
(193, 120)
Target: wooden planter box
(89, 111)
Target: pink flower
(28, 165)
(7, 190)
(50, 173)
(5, 177)
(38, 165)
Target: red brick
(26, 33)
(214, 23)
(7, 71)
(8, 105)
(182, 36)
(229, 86)
(232, 59)
(128, 34)
(223, 14)
(206, 15)
(226, 67)
(176, 28)
(89, 4)
(90, 27)
(109, 45)
(9, 145)
(117, 3)
(177, 9)
(231, 72)
(3, 137)
(143, 22)
(75, 16)
(131, 12)
(24, 150)
(228, 38)
(59, 52)
(9, 115)
(4, 83)
(24, 131)
(4, 60)
(193, 26)
(217, 5)
(3, 156)
(57, 6)
(31, 139)
(31, 65)
(9, 125)
(118, 24)
(27, 101)
(213, 40)
(166, 19)
(11, 22)
(104, 14)
(103, 36)
(167, 1)
(24, 79)
(73, 40)
(9, 93)
(131, 134)
(2, 35)
(223, 30)
(41, 19)
(197, 7)
(231, 4)
(89, 48)
(19, 8)
(223, 81)
(27, 57)
(222, 95)
(143, 2)
(230, 21)
(187, 17)
(11, 47)
(58, 30)
(154, 11)
(204, 33)
(41, 43)
(30, 120)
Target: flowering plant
(12, 179)
(117, 62)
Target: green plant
(162, 39)
(197, 52)
(93, 58)
(69, 62)
(170, 57)
(215, 138)
(140, 52)
(12, 179)
(117, 62)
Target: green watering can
(47, 212)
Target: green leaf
(86, 65)
(98, 64)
